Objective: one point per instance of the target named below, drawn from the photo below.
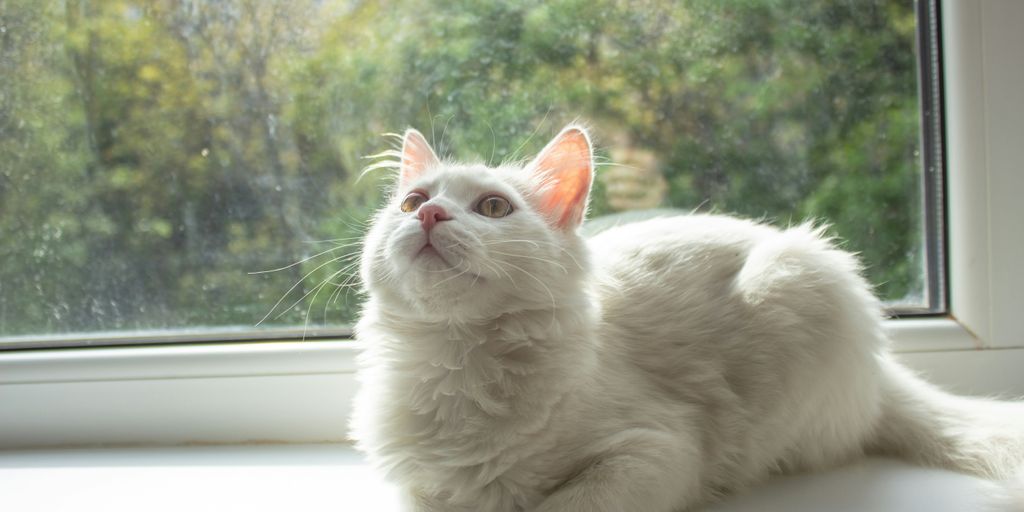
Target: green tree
(154, 153)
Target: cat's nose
(431, 214)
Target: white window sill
(301, 392)
(313, 478)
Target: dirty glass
(192, 166)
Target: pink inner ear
(417, 156)
(566, 169)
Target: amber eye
(413, 201)
(494, 206)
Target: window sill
(187, 361)
(301, 392)
(315, 478)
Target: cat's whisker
(439, 271)
(536, 244)
(484, 266)
(445, 131)
(339, 287)
(355, 225)
(475, 279)
(331, 240)
(319, 288)
(445, 280)
(498, 270)
(389, 153)
(351, 282)
(359, 221)
(334, 298)
(494, 144)
(531, 242)
(347, 269)
(351, 255)
(353, 265)
(334, 240)
(307, 294)
(390, 159)
(327, 304)
(519, 148)
(598, 163)
(350, 260)
(297, 283)
(536, 258)
(354, 247)
(554, 306)
(303, 260)
(701, 205)
(431, 116)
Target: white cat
(511, 365)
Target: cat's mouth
(428, 250)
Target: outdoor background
(154, 154)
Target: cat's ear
(417, 156)
(563, 172)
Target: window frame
(300, 391)
(933, 147)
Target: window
(299, 391)
(190, 170)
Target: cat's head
(464, 241)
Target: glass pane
(155, 157)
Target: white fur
(651, 368)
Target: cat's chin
(430, 251)
(431, 259)
(449, 308)
(433, 291)
(430, 274)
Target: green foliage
(154, 154)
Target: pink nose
(431, 214)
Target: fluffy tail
(928, 426)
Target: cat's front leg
(416, 500)
(635, 470)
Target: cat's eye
(413, 201)
(494, 206)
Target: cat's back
(726, 290)
(669, 292)
(684, 256)
(701, 274)
(732, 316)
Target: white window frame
(300, 391)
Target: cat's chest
(464, 454)
(515, 479)
(475, 418)
(452, 420)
